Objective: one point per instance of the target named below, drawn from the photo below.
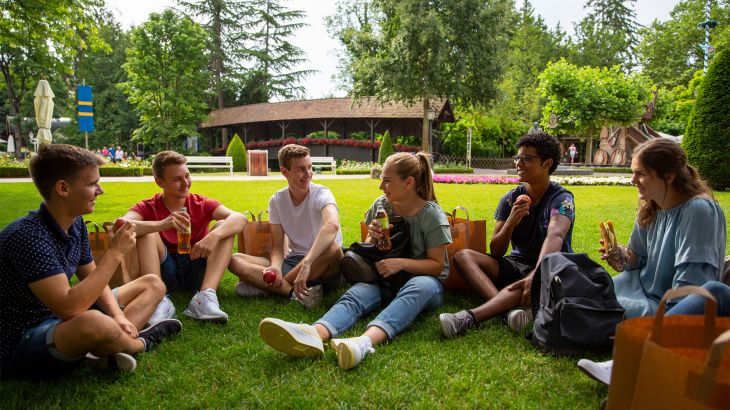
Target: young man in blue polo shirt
(48, 326)
(536, 218)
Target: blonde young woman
(407, 185)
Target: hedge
(237, 151)
(707, 137)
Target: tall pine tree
(607, 36)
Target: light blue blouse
(685, 245)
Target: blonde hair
(165, 158)
(663, 157)
(289, 152)
(416, 166)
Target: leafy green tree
(707, 138)
(237, 151)
(444, 48)
(673, 107)
(607, 36)
(42, 38)
(585, 99)
(168, 80)
(114, 118)
(272, 56)
(386, 147)
(670, 52)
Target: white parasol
(43, 103)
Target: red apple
(118, 223)
(269, 276)
(524, 198)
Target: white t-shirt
(301, 224)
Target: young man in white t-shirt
(307, 214)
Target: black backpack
(576, 306)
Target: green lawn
(229, 366)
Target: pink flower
(474, 179)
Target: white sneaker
(518, 319)
(165, 310)
(351, 351)
(204, 306)
(245, 290)
(119, 361)
(598, 371)
(294, 339)
(314, 299)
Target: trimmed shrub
(14, 172)
(386, 148)
(707, 137)
(237, 151)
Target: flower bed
(562, 180)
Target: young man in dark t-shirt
(160, 218)
(537, 219)
(48, 326)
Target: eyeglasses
(523, 158)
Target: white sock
(365, 342)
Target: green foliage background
(707, 138)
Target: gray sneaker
(165, 310)
(518, 319)
(204, 306)
(294, 339)
(314, 299)
(453, 324)
(118, 361)
(245, 290)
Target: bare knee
(153, 284)
(95, 326)
(463, 257)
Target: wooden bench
(324, 162)
(211, 162)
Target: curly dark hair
(547, 147)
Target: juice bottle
(183, 238)
(384, 243)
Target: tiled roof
(328, 108)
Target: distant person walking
(572, 152)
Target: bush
(452, 168)
(113, 171)
(237, 151)
(386, 148)
(14, 172)
(707, 137)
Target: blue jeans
(35, 355)
(695, 304)
(179, 272)
(418, 294)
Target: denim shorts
(329, 282)
(179, 272)
(35, 355)
(290, 262)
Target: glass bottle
(183, 237)
(383, 243)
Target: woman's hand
(389, 267)
(617, 257)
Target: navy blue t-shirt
(530, 233)
(32, 248)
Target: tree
(42, 38)
(386, 148)
(225, 22)
(673, 106)
(707, 138)
(585, 99)
(114, 117)
(670, 51)
(237, 151)
(607, 36)
(445, 48)
(272, 56)
(166, 65)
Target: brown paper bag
(682, 332)
(256, 236)
(127, 270)
(466, 233)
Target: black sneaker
(154, 334)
